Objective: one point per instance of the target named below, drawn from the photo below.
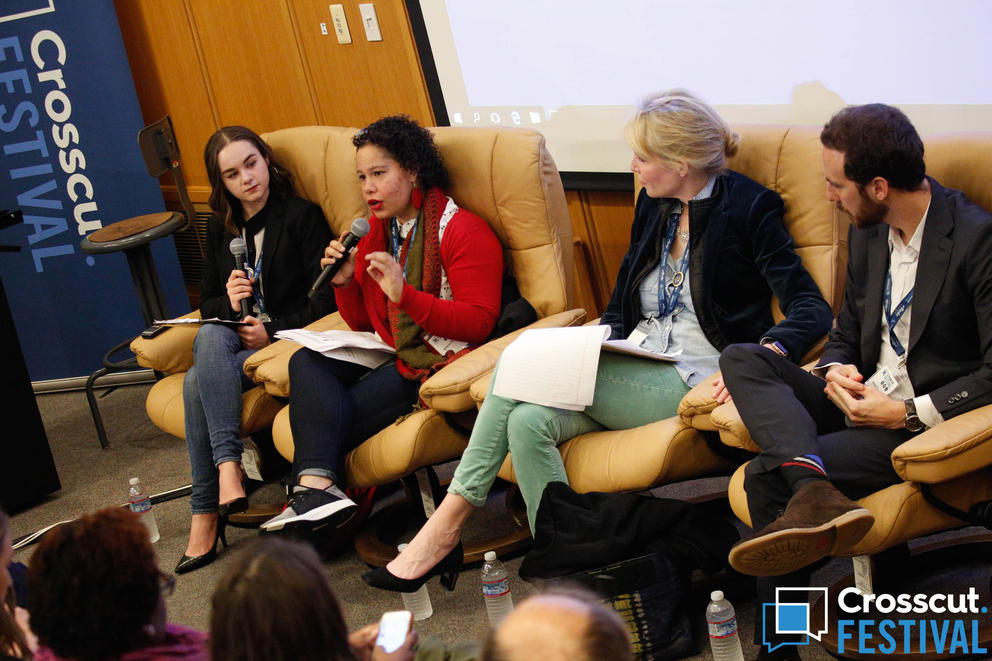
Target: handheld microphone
(240, 251)
(359, 228)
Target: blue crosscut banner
(70, 162)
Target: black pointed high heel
(448, 569)
(188, 563)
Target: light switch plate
(370, 21)
(340, 24)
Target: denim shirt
(678, 332)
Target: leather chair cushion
(164, 405)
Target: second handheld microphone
(359, 228)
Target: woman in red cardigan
(426, 278)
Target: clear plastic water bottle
(419, 602)
(142, 504)
(721, 620)
(496, 589)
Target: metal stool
(133, 236)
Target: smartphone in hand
(393, 628)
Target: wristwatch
(913, 422)
(775, 346)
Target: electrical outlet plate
(370, 21)
(340, 23)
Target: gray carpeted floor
(93, 478)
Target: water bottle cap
(716, 595)
(133, 481)
(490, 556)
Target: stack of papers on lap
(557, 366)
(352, 346)
(552, 366)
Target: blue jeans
(630, 392)
(335, 405)
(212, 393)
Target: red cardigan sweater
(472, 258)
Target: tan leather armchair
(505, 176)
(787, 160)
(953, 460)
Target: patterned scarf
(422, 257)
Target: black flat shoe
(448, 569)
(188, 563)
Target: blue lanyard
(397, 244)
(666, 302)
(255, 274)
(892, 317)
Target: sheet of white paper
(353, 346)
(552, 366)
(628, 347)
(194, 321)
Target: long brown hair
(227, 207)
(274, 604)
(12, 640)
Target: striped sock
(798, 470)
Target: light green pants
(630, 392)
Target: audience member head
(274, 603)
(410, 145)
(12, 640)
(677, 127)
(562, 624)
(877, 141)
(94, 587)
(224, 201)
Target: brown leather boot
(818, 521)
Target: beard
(869, 213)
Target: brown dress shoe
(818, 521)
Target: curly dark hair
(222, 203)
(274, 604)
(878, 141)
(93, 584)
(411, 145)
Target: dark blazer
(740, 253)
(950, 327)
(296, 234)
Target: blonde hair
(677, 126)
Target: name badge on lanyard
(888, 378)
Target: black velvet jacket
(740, 254)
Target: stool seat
(132, 232)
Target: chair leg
(94, 409)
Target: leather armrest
(171, 351)
(448, 390)
(951, 449)
(270, 365)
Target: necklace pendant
(677, 279)
(683, 236)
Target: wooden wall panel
(601, 222)
(168, 78)
(254, 67)
(355, 84)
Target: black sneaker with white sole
(312, 509)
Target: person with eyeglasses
(95, 592)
